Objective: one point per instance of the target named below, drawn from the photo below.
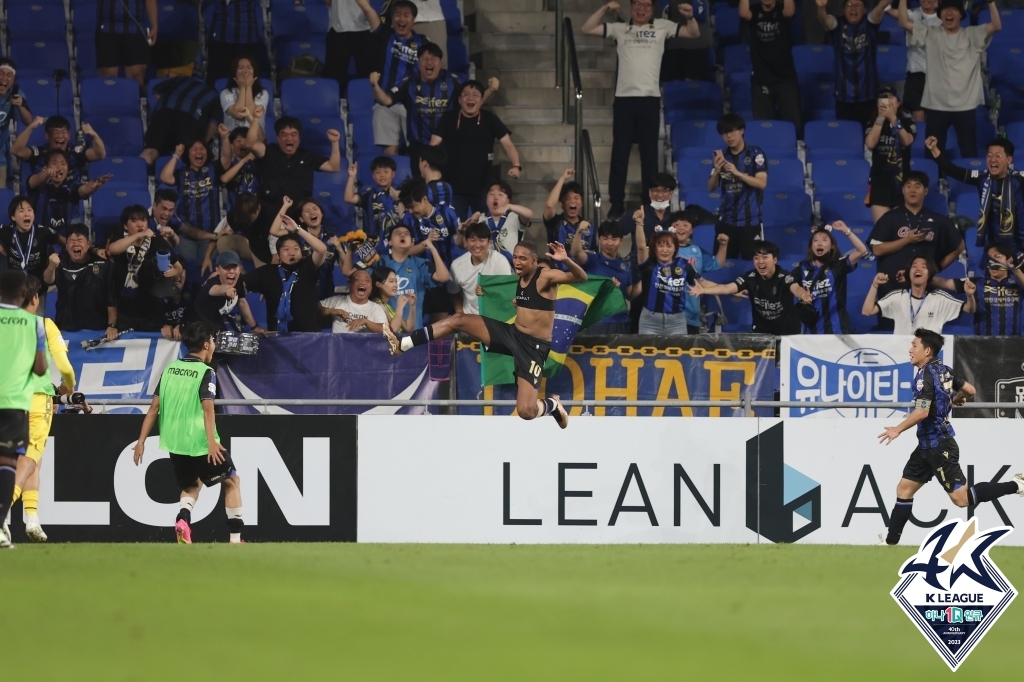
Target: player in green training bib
(23, 341)
(183, 400)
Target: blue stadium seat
(818, 101)
(727, 23)
(834, 136)
(813, 62)
(310, 96)
(6, 196)
(452, 17)
(673, 116)
(936, 201)
(291, 22)
(985, 129)
(151, 93)
(1015, 133)
(847, 206)
(737, 312)
(365, 175)
(83, 19)
(1012, 97)
(776, 138)
(740, 98)
(968, 203)
(122, 135)
(85, 57)
(700, 134)
(891, 25)
(315, 45)
(691, 95)
(693, 174)
(362, 134)
(892, 62)
(314, 133)
(929, 168)
(329, 190)
(839, 174)
(178, 21)
(1004, 65)
(107, 204)
(700, 196)
(102, 97)
(785, 175)
(737, 60)
(44, 21)
(39, 56)
(858, 283)
(128, 171)
(458, 57)
(792, 242)
(786, 209)
(957, 187)
(45, 98)
(359, 96)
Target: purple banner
(326, 366)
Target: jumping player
(528, 340)
(24, 345)
(937, 453)
(184, 402)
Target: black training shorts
(913, 91)
(943, 462)
(529, 353)
(742, 240)
(187, 469)
(121, 49)
(13, 432)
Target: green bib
(182, 430)
(19, 339)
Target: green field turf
(425, 612)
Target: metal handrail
(592, 186)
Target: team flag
(578, 306)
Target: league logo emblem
(952, 590)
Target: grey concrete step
(533, 78)
(535, 114)
(600, 133)
(550, 171)
(530, 153)
(544, 60)
(550, 97)
(481, 7)
(539, 41)
(524, 22)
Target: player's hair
(435, 157)
(52, 154)
(730, 123)
(666, 235)
(188, 148)
(570, 188)
(478, 231)
(530, 247)
(431, 48)
(680, 216)
(384, 162)
(505, 188)
(257, 87)
(916, 176)
(379, 275)
(1003, 144)
(165, 194)
(79, 229)
(413, 189)
(474, 84)
(7, 61)
(833, 251)
(290, 237)
(16, 203)
(610, 228)
(408, 4)
(32, 287)
(240, 131)
(245, 209)
(933, 341)
(768, 248)
(299, 205)
(1003, 249)
(287, 122)
(194, 336)
(664, 181)
(933, 269)
(56, 123)
(133, 212)
(12, 285)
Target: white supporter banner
(820, 368)
(650, 480)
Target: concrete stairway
(515, 41)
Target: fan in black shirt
(26, 244)
(220, 303)
(134, 251)
(286, 169)
(771, 293)
(774, 91)
(86, 298)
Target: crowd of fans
(236, 236)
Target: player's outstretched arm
(891, 433)
(551, 277)
(147, 426)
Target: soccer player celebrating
(188, 432)
(937, 453)
(24, 342)
(528, 340)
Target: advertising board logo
(1010, 391)
(783, 504)
(861, 374)
(952, 590)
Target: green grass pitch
(427, 612)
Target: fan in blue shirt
(700, 261)
(607, 263)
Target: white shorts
(388, 125)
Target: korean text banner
(707, 367)
(994, 365)
(326, 366)
(821, 369)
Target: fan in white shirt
(507, 220)
(918, 307)
(355, 312)
(480, 260)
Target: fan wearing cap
(954, 87)
(10, 101)
(664, 275)
(221, 300)
(889, 139)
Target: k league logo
(783, 505)
(952, 590)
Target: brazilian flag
(578, 306)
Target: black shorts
(438, 301)
(121, 49)
(942, 462)
(169, 128)
(913, 91)
(528, 353)
(187, 469)
(741, 240)
(13, 432)
(882, 192)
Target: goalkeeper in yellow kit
(26, 481)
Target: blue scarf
(1011, 209)
(284, 306)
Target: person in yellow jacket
(26, 481)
